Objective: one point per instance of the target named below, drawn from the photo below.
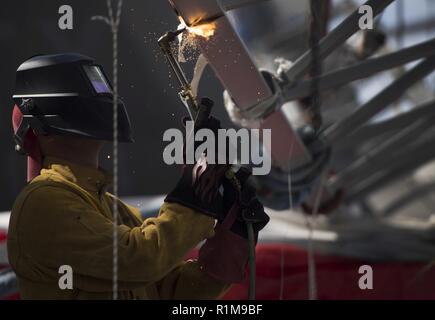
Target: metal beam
(411, 28)
(371, 131)
(228, 5)
(361, 70)
(410, 159)
(382, 155)
(415, 193)
(334, 39)
(344, 127)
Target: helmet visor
(97, 79)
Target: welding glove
(225, 256)
(198, 187)
(245, 200)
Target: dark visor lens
(97, 79)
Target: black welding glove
(198, 187)
(225, 255)
(249, 207)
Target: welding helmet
(66, 94)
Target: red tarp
(282, 274)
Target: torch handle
(165, 46)
(202, 113)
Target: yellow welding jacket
(63, 217)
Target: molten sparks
(205, 30)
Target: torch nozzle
(178, 32)
(169, 37)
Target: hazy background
(31, 27)
(275, 28)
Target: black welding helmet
(67, 94)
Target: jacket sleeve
(58, 227)
(188, 281)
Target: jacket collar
(89, 178)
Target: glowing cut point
(205, 30)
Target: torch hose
(252, 263)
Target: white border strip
(46, 95)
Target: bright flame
(205, 30)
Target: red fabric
(224, 256)
(15, 296)
(31, 146)
(282, 274)
(2, 236)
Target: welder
(63, 115)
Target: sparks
(205, 30)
